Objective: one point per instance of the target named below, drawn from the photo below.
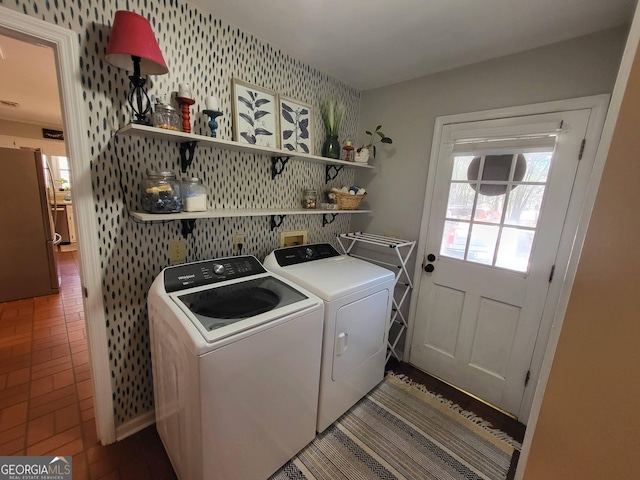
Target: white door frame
(570, 241)
(74, 115)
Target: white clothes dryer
(236, 365)
(357, 298)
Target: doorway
(503, 201)
(64, 43)
(35, 209)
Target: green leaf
(368, 132)
(386, 140)
(378, 127)
(380, 134)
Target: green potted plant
(63, 184)
(332, 113)
(375, 137)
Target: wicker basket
(346, 201)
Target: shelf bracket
(187, 150)
(187, 226)
(325, 218)
(277, 165)
(331, 172)
(276, 221)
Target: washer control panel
(188, 275)
(304, 253)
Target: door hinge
(527, 378)
(85, 292)
(553, 270)
(584, 140)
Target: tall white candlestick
(184, 90)
(211, 102)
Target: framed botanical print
(295, 125)
(255, 116)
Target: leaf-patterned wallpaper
(204, 51)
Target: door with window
(501, 195)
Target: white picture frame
(296, 133)
(255, 116)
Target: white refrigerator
(28, 266)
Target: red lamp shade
(131, 35)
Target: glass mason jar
(165, 116)
(160, 192)
(194, 195)
(309, 198)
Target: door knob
(431, 257)
(429, 268)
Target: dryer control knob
(218, 268)
(308, 253)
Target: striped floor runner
(401, 431)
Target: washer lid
(221, 310)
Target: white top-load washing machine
(357, 297)
(236, 364)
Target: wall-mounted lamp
(133, 47)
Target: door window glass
(524, 205)
(460, 167)
(493, 208)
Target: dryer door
(360, 332)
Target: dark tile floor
(46, 397)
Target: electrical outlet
(177, 252)
(238, 239)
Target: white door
(501, 195)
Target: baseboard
(135, 425)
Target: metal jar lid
(160, 174)
(190, 179)
(164, 107)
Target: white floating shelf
(146, 131)
(235, 212)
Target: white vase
(362, 156)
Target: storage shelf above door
(134, 130)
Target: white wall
(579, 67)
(17, 135)
(202, 49)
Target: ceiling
(28, 78)
(365, 43)
(372, 43)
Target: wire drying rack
(403, 287)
